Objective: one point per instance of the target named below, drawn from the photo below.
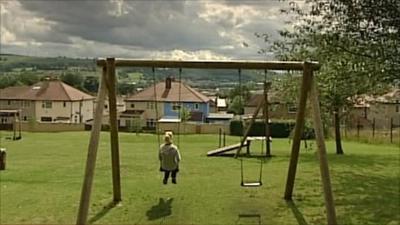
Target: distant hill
(15, 65)
(9, 62)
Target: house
(170, 96)
(47, 101)
(278, 109)
(384, 110)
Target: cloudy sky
(179, 29)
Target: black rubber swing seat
(251, 184)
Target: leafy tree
(185, 116)
(238, 96)
(355, 41)
(91, 84)
(237, 105)
(125, 88)
(73, 79)
(7, 80)
(28, 78)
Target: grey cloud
(149, 24)
(145, 26)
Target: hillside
(9, 63)
(83, 74)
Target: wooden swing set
(107, 85)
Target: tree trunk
(338, 139)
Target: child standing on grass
(169, 159)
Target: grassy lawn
(44, 174)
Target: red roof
(257, 98)
(164, 94)
(53, 90)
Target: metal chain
(156, 107)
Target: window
(176, 106)
(196, 106)
(150, 123)
(9, 102)
(45, 119)
(25, 118)
(292, 108)
(132, 105)
(150, 105)
(65, 104)
(27, 103)
(105, 106)
(46, 104)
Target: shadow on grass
(368, 198)
(244, 219)
(366, 187)
(103, 212)
(162, 209)
(354, 161)
(246, 156)
(296, 212)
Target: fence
(51, 127)
(194, 128)
(372, 132)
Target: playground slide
(225, 149)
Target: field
(44, 175)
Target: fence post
(391, 130)
(358, 128)
(219, 140)
(373, 127)
(224, 139)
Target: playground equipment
(107, 85)
(16, 123)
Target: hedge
(278, 129)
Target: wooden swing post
(323, 161)
(298, 130)
(116, 178)
(92, 152)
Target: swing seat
(251, 184)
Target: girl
(169, 159)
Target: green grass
(44, 175)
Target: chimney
(168, 83)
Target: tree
(73, 79)
(91, 84)
(185, 116)
(238, 96)
(355, 41)
(237, 105)
(28, 78)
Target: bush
(236, 127)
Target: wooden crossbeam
(232, 64)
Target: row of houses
(382, 111)
(52, 101)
